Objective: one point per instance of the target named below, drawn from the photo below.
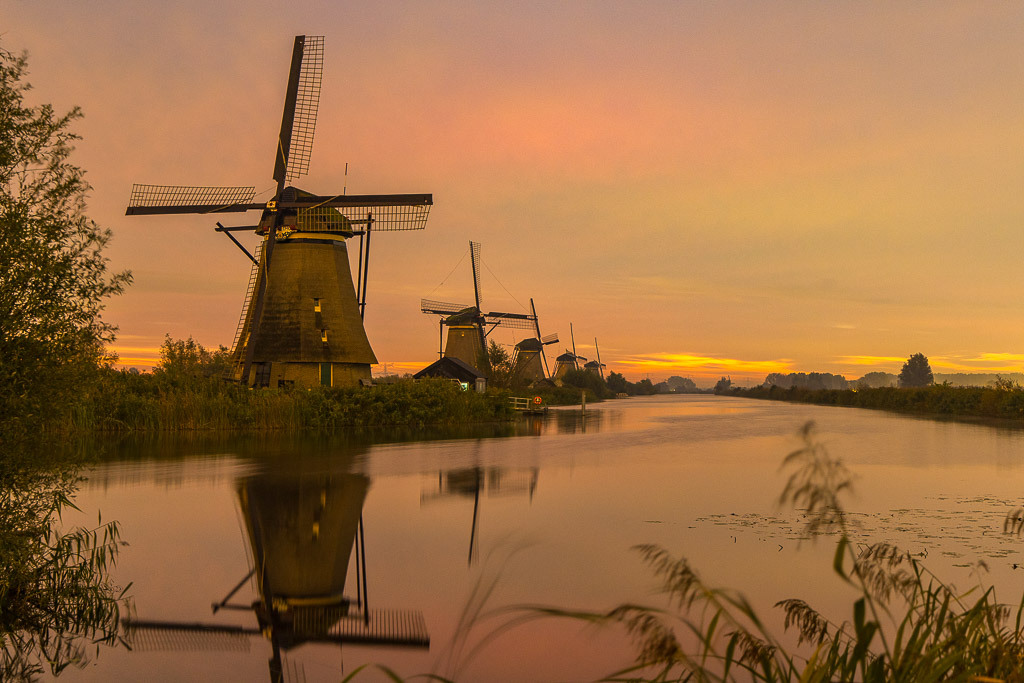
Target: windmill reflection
(470, 482)
(305, 533)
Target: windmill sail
(302, 318)
(162, 199)
(302, 100)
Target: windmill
(568, 360)
(468, 326)
(529, 363)
(302, 320)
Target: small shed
(455, 369)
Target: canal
(368, 545)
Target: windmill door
(326, 374)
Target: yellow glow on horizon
(135, 356)
(710, 365)
(973, 365)
(136, 361)
(399, 367)
(1001, 357)
(982, 363)
(872, 360)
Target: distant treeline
(875, 380)
(645, 387)
(1003, 401)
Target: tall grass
(148, 403)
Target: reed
(128, 402)
(57, 600)
(905, 624)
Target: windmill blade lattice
(164, 199)
(515, 321)
(474, 253)
(359, 212)
(441, 307)
(302, 101)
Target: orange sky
(707, 188)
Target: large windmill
(530, 363)
(468, 326)
(301, 321)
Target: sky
(705, 189)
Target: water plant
(56, 597)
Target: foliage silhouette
(53, 275)
(916, 372)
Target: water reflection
(470, 482)
(57, 599)
(303, 521)
(129, 448)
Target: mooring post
(583, 400)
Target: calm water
(544, 513)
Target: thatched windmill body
(468, 326)
(302, 318)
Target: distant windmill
(568, 361)
(468, 326)
(302, 316)
(595, 366)
(529, 363)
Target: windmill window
(316, 305)
(323, 336)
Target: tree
(682, 385)
(617, 383)
(874, 380)
(916, 372)
(53, 275)
(645, 387)
(500, 362)
(584, 379)
(186, 362)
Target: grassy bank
(125, 401)
(940, 399)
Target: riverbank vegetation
(54, 279)
(1005, 400)
(186, 392)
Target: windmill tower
(529, 363)
(468, 326)
(302, 320)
